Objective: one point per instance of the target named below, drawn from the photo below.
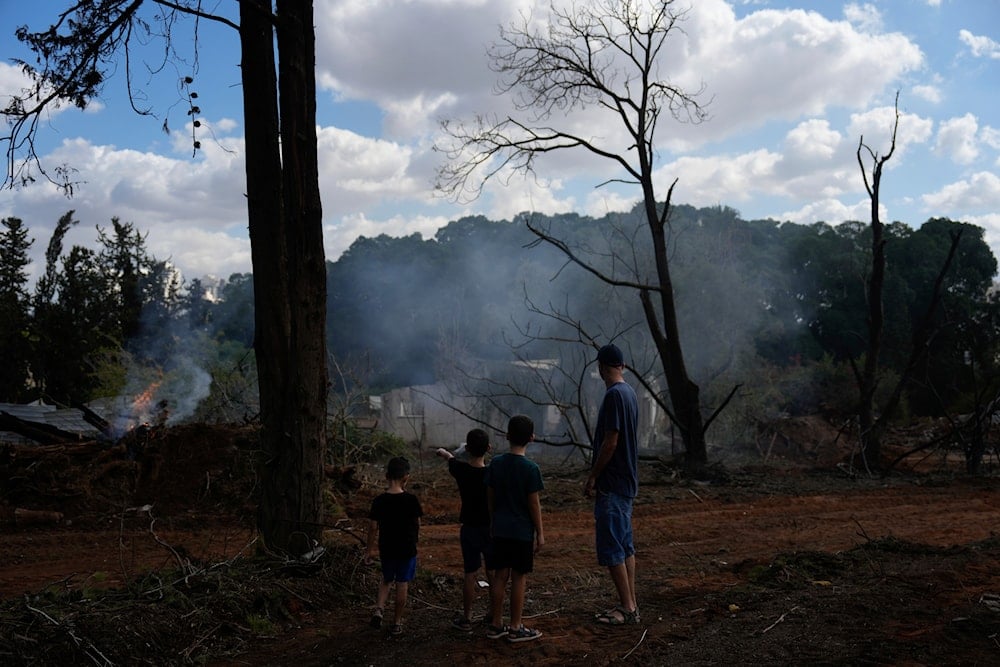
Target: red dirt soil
(782, 564)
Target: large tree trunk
(285, 219)
(685, 396)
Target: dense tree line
(775, 308)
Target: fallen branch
(780, 619)
(184, 564)
(198, 642)
(293, 593)
(85, 644)
(636, 644)
(696, 495)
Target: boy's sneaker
(495, 632)
(522, 634)
(376, 621)
(461, 623)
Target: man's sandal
(618, 616)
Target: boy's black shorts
(517, 555)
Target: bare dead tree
(609, 56)
(872, 428)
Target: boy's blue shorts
(399, 569)
(477, 547)
(613, 529)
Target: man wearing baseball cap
(614, 478)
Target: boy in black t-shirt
(395, 520)
(474, 535)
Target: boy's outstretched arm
(444, 453)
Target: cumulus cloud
(866, 17)
(990, 136)
(796, 88)
(956, 139)
(338, 236)
(990, 223)
(788, 64)
(507, 197)
(832, 211)
(930, 93)
(979, 45)
(875, 128)
(979, 192)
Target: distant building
(433, 416)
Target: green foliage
(348, 444)
(776, 309)
(233, 395)
(261, 625)
(14, 310)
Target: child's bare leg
(401, 589)
(497, 595)
(518, 584)
(383, 595)
(469, 593)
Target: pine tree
(14, 309)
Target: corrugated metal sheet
(69, 419)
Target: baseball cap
(610, 355)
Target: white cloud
(979, 45)
(875, 128)
(866, 17)
(956, 139)
(980, 192)
(812, 140)
(358, 172)
(707, 181)
(812, 85)
(787, 64)
(338, 236)
(507, 197)
(991, 226)
(833, 211)
(930, 93)
(990, 136)
(601, 202)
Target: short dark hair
(477, 442)
(520, 428)
(397, 468)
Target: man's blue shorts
(477, 547)
(401, 570)
(613, 528)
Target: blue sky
(793, 87)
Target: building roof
(65, 419)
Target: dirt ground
(789, 560)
